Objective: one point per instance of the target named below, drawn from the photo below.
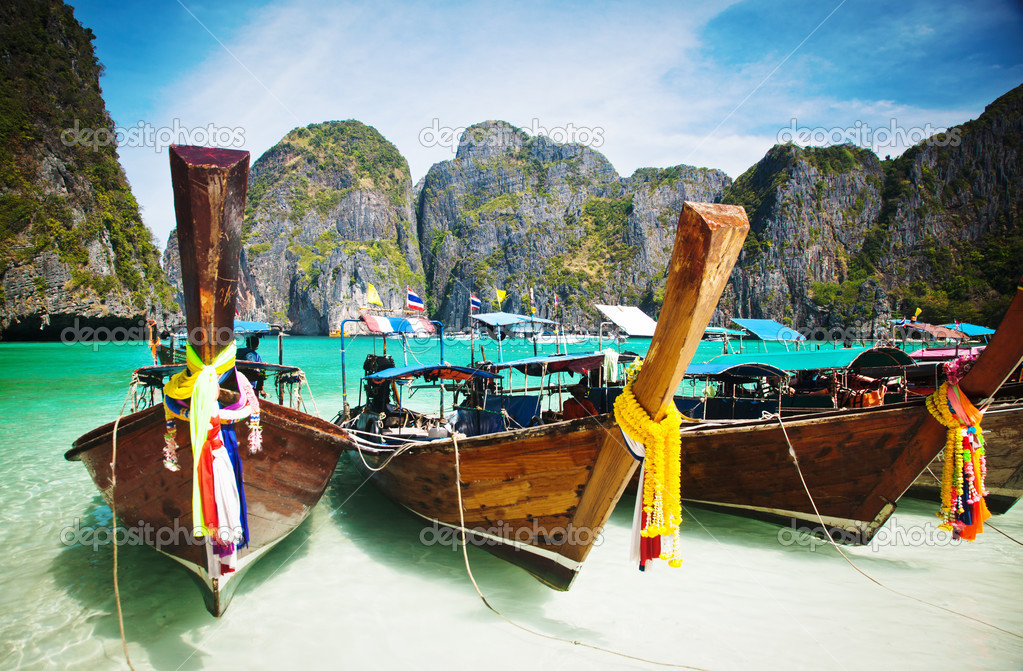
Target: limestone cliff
(72, 244)
(329, 212)
(840, 238)
(511, 212)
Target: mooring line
(113, 511)
(795, 460)
(550, 637)
(991, 526)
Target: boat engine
(378, 394)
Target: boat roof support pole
(344, 381)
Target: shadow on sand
(395, 537)
(160, 600)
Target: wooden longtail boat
(856, 463)
(282, 482)
(539, 497)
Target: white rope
(468, 569)
(302, 378)
(795, 460)
(113, 513)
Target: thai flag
(903, 322)
(474, 302)
(414, 302)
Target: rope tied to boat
(661, 478)
(813, 503)
(113, 515)
(479, 592)
(963, 510)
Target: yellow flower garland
(662, 501)
(951, 475)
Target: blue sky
(647, 83)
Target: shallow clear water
(354, 587)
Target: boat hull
(283, 482)
(521, 490)
(856, 464)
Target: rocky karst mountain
(329, 212)
(840, 238)
(513, 212)
(72, 244)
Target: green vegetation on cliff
(345, 156)
(595, 259)
(51, 111)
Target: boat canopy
(971, 330)
(244, 328)
(509, 319)
(932, 330)
(545, 365)
(241, 327)
(746, 370)
(382, 324)
(632, 320)
(430, 373)
(828, 359)
(721, 330)
(768, 329)
(945, 353)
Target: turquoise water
(355, 587)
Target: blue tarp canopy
(250, 328)
(508, 319)
(429, 373)
(768, 329)
(540, 365)
(721, 330)
(725, 369)
(971, 330)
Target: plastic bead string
(965, 465)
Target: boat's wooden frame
(282, 482)
(540, 497)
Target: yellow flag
(501, 295)
(917, 315)
(372, 297)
